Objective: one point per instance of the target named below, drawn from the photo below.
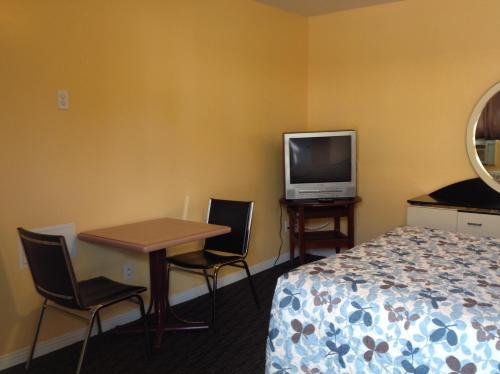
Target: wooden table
(154, 237)
(300, 210)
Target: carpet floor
(237, 346)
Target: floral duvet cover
(414, 300)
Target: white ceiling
(317, 7)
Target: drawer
(479, 224)
(435, 218)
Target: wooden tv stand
(300, 210)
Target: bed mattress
(414, 300)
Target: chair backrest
(50, 266)
(238, 216)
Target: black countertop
(472, 195)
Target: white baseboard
(61, 341)
(44, 347)
(226, 280)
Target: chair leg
(145, 326)
(208, 282)
(37, 331)
(252, 287)
(84, 347)
(99, 324)
(214, 293)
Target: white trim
(44, 347)
(226, 280)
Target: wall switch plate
(128, 271)
(67, 230)
(63, 99)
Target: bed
(414, 300)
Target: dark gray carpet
(238, 345)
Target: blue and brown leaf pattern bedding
(414, 300)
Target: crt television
(320, 165)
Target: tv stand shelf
(301, 210)
(313, 239)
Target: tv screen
(320, 159)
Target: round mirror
(483, 137)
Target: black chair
(231, 249)
(54, 279)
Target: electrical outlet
(63, 99)
(128, 271)
(286, 226)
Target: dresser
(470, 207)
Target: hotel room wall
(168, 99)
(406, 76)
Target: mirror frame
(471, 138)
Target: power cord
(279, 233)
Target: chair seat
(201, 260)
(102, 290)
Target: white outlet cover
(67, 230)
(63, 99)
(128, 271)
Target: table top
(152, 235)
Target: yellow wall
(175, 98)
(406, 75)
(167, 99)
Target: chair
(55, 281)
(232, 248)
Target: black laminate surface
(471, 195)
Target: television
(320, 165)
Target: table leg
(157, 276)
(164, 317)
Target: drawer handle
(474, 224)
